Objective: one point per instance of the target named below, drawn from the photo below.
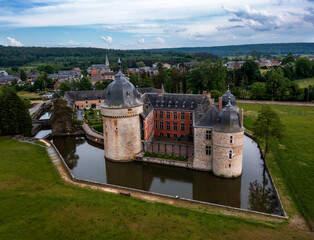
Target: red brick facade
(169, 123)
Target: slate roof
(67, 73)
(99, 66)
(147, 107)
(121, 93)
(8, 78)
(228, 120)
(73, 96)
(173, 101)
(208, 118)
(148, 90)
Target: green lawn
(292, 159)
(36, 204)
(303, 83)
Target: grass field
(292, 159)
(36, 204)
(303, 83)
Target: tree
(140, 64)
(64, 87)
(275, 83)
(251, 71)
(23, 75)
(84, 84)
(289, 58)
(303, 67)
(99, 86)
(258, 90)
(175, 80)
(14, 115)
(61, 117)
(267, 127)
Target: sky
(144, 24)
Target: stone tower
(228, 136)
(121, 119)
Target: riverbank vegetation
(291, 159)
(36, 204)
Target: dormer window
(162, 103)
(176, 104)
(183, 105)
(169, 104)
(157, 103)
(192, 104)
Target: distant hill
(265, 49)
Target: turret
(228, 136)
(121, 119)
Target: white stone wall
(122, 136)
(221, 148)
(201, 160)
(119, 112)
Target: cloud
(141, 41)
(160, 40)
(107, 39)
(15, 43)
(69, 43)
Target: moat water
(250, 191)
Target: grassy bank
(292, 159)
(36, 204)
(303, 83)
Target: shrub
(160, 155)
(93, 105)
(167, 156)
(146, 154)
(174, 157)
(221, 175)
(78, 122)
(181, 158)
(153, 154)
(98, 128)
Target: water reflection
(250, 191)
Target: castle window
(182, 115)
(99, 101)
(161, 125)
(156, 114)
(161, 114)
(191, 116)
(161, 134)
(175, 135)
(168, 115)
(168, 126)
(86, 101)
(168, 136)
(175, 126)
(229, 165)
(175, 115)
(156, 124)
(182, 127)
(208, 150)
(208, 135)
(230, 154)
(231, 139)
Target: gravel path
(303, 104)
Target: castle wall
(122, 133)
(222, 165)
(202, 161)
(83, 104)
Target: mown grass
(303, 83)
(36, 204)
(292, 158)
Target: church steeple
(107, 61)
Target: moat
(251, 191)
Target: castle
(133, 117)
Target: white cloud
(14, 42)
(160, 40)
(69, 43)
(141, 41)
(107, 39)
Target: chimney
(209, 95)
(204, 93)
(220, 103)
(241, 117)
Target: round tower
(228, 136)
(121, 119)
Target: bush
(98, 128)
(146, 154)
(153, 154)
(78, 122)
(174, 157)
(167, 156)
(160, 155)
(181, 158)
(93, 105)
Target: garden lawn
(293, 158)
(36, 204)
(303, 83)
